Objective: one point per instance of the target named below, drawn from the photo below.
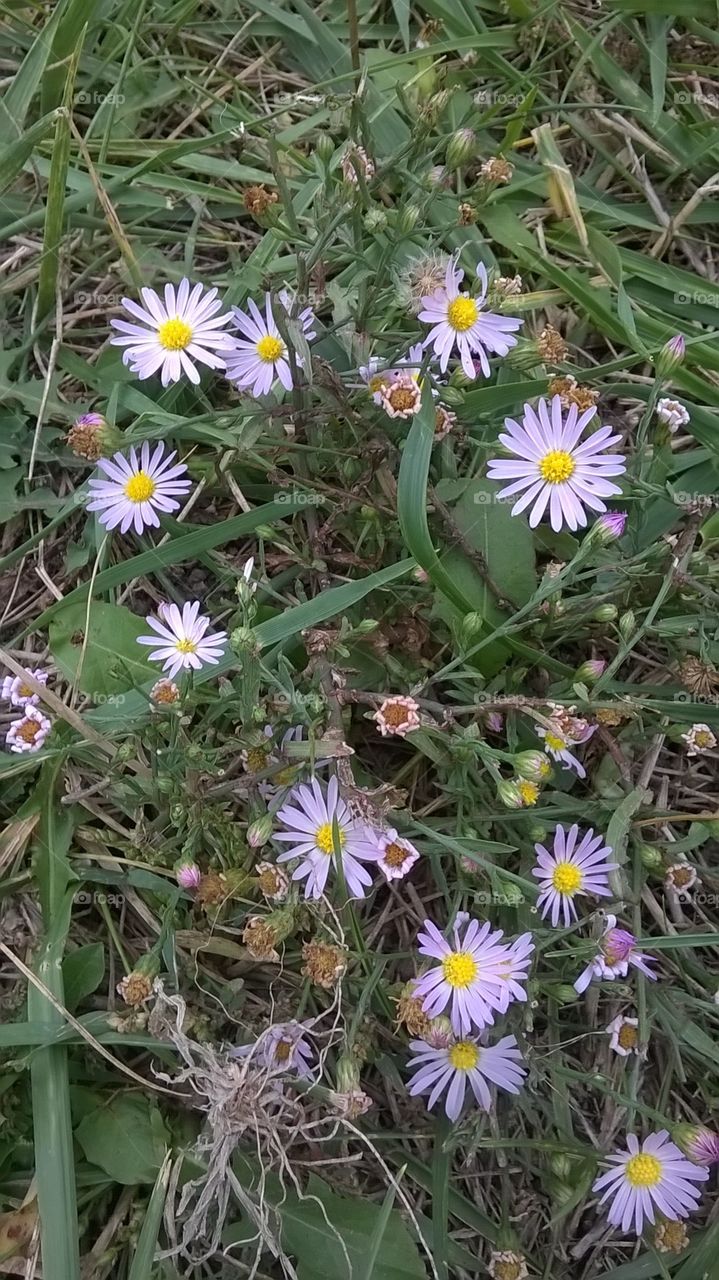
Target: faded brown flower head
(697, 676)
(551, 345)
(135, 989)
(508, 286)
(212, 890)
(671, 1237)
(609, 717)
(507, 1265)
(444, 420)
(260, 938)
(165, 693)
(411, 1015)
(324, 964)
(496, 169)
(680, 878)
(84, 438)
(356, 158)
(401, 398)
(127, 1022)
(272, 881)
(571, 392)
(350, 1105)
(397, 715)
(466, 214)
(257, 200)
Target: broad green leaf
(82, 972)
(504, 541)
(126, 1137)
(112, 661)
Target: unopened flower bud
(532, 764)
(627, 624)
(697, 1142)
(651, 857)
(325, 147)
(510, 794)
(259, 831)
(671, 355)
(407, 220)
(608, 527)
(188, 874)
(472, 626)
(375, 220)
(461, 147)
(590, 671)
(606, 613)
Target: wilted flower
(507, 1265)
(350, 1105)
(281, 1048)
(165, 693)
(672, 414)
(495, 721)
(551, 469)
(355, 158)
(411, 1014)
(671, 1236)
(261, 937)
(422, 275)
(272, 881)
(697, 676)
(397, 715)
(699, 739)
(452, 1067)
(401, 397)
(324, 963)
(617, 951)
(680, 879)
(29, 732)
(89, 437)
(571, 392)
(138, 488)
(444, 420)
(175, 332)
(571, 868)
(16, 691)
(395, 856)
(457, 319)
(496, 169)
(258, 199)
(648, 1176)
(136, 987)
(624, 1035)
(551, 345)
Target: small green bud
(537, 832)
(375, 220)
(590, 671)
(453, 397)
(461, 147)
(627, 624)
(244, 642)
(533, 765)
(325, 147)
(472, 625)
(561, 1165)
(259, 831)
(509, 794)
(348, 1073)
(606, 613)
(651, 858)
(408, 219)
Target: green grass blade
(141, 1268)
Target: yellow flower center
(627, 1038)
(402, 398)
(703, 738)
(554, 742)
(464, 1055)
(325, 840)
(462, 313)
(644, 1171)
(566, 878)
(174, 335)
(283, 1049)
(186, 646)
(529, 792)
(270, 349)
(557, 466)
(25, 691)
(376, 383)
(140, 487)
(459, 969)
(256, 759)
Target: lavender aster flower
(617, 951)
(281, 1048)
(551, 469)
(258, 359)
(395, 856)
(174, 333)
(478, 973)
(648, 1176)
(20, 694)
(571, 869)
(558, 740)
(457, 320)
(310, 815)
(183, 640)
(138, 488)
(461, 1062)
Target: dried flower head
(257, 200)
(507, 1265)
(324, 963)
(213, 889)
(260, 937)
(401, 397)
(508, 286)
(466, 214)
(551, 346)
(410, 1013)
(164, 693)
(17, 691)
(135, 988)
(571, 392)
(272, 881)
(672, 414)
(697, 676)
(624, 1033)
(699, 739)
(350, 1105)
(496, 169)
(671, 1236)
(28, 733)
(680, 879)
(421, 276)
(355, 158)
(86, 437)
(444, 420)
(397, 715)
